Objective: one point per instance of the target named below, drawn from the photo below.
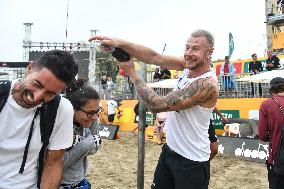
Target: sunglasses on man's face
(92, 113)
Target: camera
(120, 55)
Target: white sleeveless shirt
(187, 130)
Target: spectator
(111, 110)
(272, 61)
(255, 67)
(160, 123)
(104, 82)
(136, 119)
(165, 73)
(109, 83)
(228, 76)
(212, 135)
(280, 4)
(104, 86)
(270, 124)
(157, 75)
(213, 140)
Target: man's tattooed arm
(198, 92)
(152, 100)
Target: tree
(105, 65)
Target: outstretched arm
(203, 91)
(143, 53)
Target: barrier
(250, 149)
(108, 131)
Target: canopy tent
(264, 77)
(166, 83)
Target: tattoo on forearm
(151, 99)
(197, 92)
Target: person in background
(189, 109)
(270, 123)
(110, 84)
(44, 80)
(212, 136)
(104, 82)
(111, 110)
(280, 4)
(136, 119)
(157, 75)
(104, 86)
(86, 141)
(165, 73)
(228, 76)
(255, 67)
(160, 123)
(272, 61)
(213, 141)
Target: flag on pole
(231, 44)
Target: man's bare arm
(145, 54)
(52, 170)
(202, 91)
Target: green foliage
(105, 65)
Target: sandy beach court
(114, 166)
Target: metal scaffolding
(92, 58)
(82, 46)
(27, 41)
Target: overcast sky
(149, 22)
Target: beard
(195, 63)
(24, 97)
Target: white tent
(264, 77)
(167, 83)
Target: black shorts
(110, 117)
(175, 171)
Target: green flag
(231, 44)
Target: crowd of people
(228, 73)
(50, 137)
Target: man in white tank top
(184, 160)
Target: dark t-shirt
(275, 61)
(103, 83)
(255, 67)
(165, 74)
(137, 113)
(157, 76)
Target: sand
(114, 166)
